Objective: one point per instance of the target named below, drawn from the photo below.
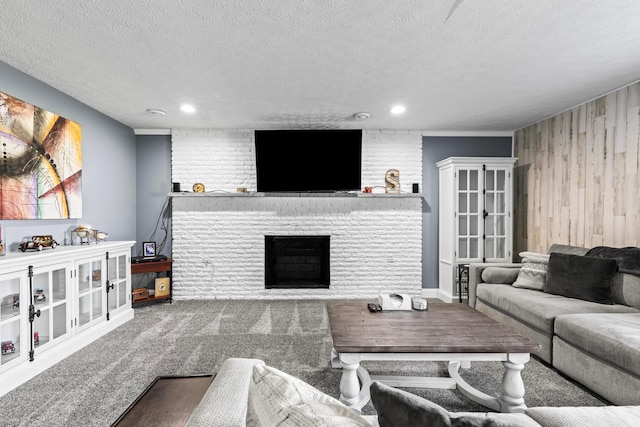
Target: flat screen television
(308, 160)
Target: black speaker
(176, 187)
(416, 187)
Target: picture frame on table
(149, 249)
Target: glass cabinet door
(118, 278)
(12, 303)
(496, 222)
(50, 293)
(469, 212)
(90, 292)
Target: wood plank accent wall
(576, 178)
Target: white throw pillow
(533, 273)
(276, 398)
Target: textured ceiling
(472, 65)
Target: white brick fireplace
(218, 243)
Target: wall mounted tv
(308, 160)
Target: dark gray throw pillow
(581, 277)
(399, 408)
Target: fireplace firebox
(296, 262)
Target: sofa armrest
(475, 276)
(225, 402)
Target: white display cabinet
(475, 209)
(74, 294)
(11, 319)
(50, 297)
(119, 282)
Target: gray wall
(108, 166)
(153, 222)
(434, 149)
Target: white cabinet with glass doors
(69, 294)
(475, 208)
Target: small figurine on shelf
(86, 232)
(38, 243)
(39, 295)
(100, 235)
(8, 347)
(36, 338)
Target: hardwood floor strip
(168, 401)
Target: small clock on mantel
(198, 187)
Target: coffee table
(454, 333)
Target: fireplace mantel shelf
(256, 194)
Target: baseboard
(429, 293)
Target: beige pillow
(533, 273)
(276, 398)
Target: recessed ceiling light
(398, 109)
(186, 108)
(361, 116)
(155, 112)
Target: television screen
(308, 160)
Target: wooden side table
(154, 267)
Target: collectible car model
(38, 243)
(8, 347)
(39, 295)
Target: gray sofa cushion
(537, 308)
(581, 277)
(567, 249)
(613, 337)
(399, 408)
(503, 275)
(607, 416)
(626, 290)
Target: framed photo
(149, 249)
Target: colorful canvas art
(40, 164)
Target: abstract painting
(40, 163)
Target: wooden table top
(443, 328)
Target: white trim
(429, 293)
(152, 131)
(468, 133)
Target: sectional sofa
(581, 305)
(245, 392)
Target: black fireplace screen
(296, 262)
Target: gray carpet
(95, 385)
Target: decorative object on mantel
(41, 173)
(86, 231)
(241, 189)
(392, 181)
(198, 187)
(368, 189)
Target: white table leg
(349, 385)
(512, 397)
